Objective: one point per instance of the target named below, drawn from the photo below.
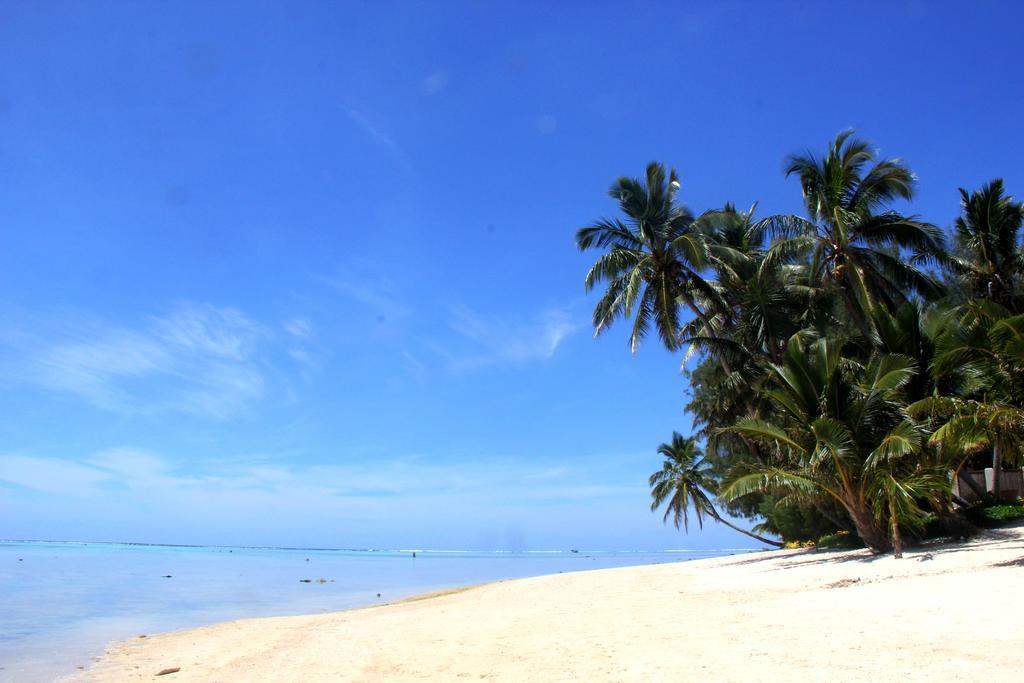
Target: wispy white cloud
(246, 484)
(303, 356)
(434, 83)
(415, 366)
(154, 476)
(379, 295)
(379, 136)
(199, 359)
(493, 339)
(303, 349)
(547, 124)
(131, 467)
(469, 502)
(298, 327)
(549, 473)
(50, 475)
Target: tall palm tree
(855, 243)
(760, 303)
(764, 299)
(652, 258)
(989, 262)
(840, 432)
(683, 481)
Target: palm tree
(988, 262)
(855, 244)
(683, 481)
(840, 432)
(760, 303)
(971, 426)
(652, 259)
(764, 299)
(979, 355)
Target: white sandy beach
(953, 612)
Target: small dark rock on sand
(172, 670)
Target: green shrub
(840, 540)
(1003, 513)
(991, 515)
(793, 522)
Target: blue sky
(303, 273)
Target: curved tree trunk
(960, 501)
(873, 535)
(843, 524)
(768, 541)
(894, 525)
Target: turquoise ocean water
(61, 603)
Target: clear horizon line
(368, 550)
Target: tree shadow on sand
(921, 552)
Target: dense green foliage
(840, 539)
(997, 514)
(1004, 513)
(843, 364)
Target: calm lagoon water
(61, 603)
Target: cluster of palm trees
(849, 361)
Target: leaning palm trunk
(767, 541)
(869, 531)
(683, 482)
(841, 523)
